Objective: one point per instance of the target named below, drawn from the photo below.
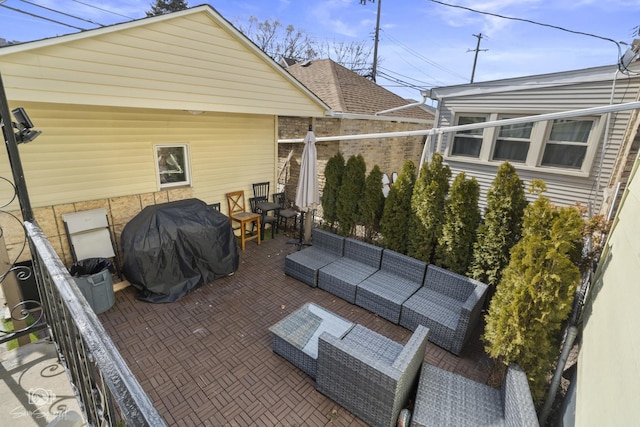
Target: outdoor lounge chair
(368, 374)
(449, 304)
(359, 261)
(447, 399)
(304, 264)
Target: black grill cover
(172, 248)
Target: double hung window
(512, 142)
(567, 143)
(468, 142)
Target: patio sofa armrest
(516, 397)
(470, 314)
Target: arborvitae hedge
(394, 224)
(351, 194)
(372, 203)
(535, 294)
(427, 209)
(506, 201)
(462, 216)
(333, 173)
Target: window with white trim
(512, 142)
(468, 142)
(563, 146)
(172, 165)
(567, 143)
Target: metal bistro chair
(264, 218)
(261, 189)
(286, 212)
(239, 214)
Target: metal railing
(107, 391)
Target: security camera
(22, 117)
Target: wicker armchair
(448, 399)
(449, 304)
(386, 290)
(359, 261)
(370, 375)
(304, 264)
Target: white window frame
(539, 137)
(165, 169)
(481, 135)
(496, 137)
(585, 145)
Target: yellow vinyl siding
(88, 153)
(186, 63)
(608, 385)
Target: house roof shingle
(347, 92)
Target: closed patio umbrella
(307, 193)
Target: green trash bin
(93, 277)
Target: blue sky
(422, 42)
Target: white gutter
(354, 116)
(505, 122)
(424, 94)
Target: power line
(62, 13)
(424, 58)
(527, 20)
(104, 10)
(41, 17)
(423, 83)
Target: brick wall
(389, 153)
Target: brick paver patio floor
(206, 360)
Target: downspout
(572, 332)
(605, 144)
(430, 140)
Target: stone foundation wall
(120, 210)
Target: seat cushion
(435, 306)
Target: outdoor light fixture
(25, 132)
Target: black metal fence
(107, 391)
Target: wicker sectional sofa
(399, 288)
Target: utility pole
(476, 50)
(376, 39)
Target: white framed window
(172, 165)
(561, 146)
(468, 143)
(512, 142)
(567, 143)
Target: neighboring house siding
(563, 189)
(188, 63)
(608, 385)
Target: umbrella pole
(300, 242)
